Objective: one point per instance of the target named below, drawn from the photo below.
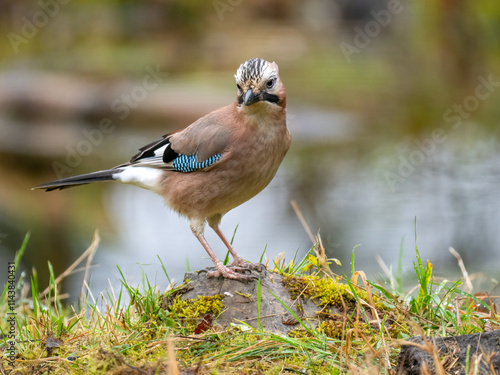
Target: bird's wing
(198, 146)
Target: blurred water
(453, 195)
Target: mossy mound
(327, 304)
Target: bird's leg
(221, 270)
(238, 261)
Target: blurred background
(393, 107)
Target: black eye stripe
(270, 97)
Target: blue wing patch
(189, 163)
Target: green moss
(298, 333)
(336, 329)
(190, 310)
(194, 308)
(326, 290)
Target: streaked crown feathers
(256, 70)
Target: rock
(240, 301)
(322, 303)
(452, 352)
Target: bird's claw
(238, 270)
(249, 266)
(234, 273)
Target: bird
(215, 164)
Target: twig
(173, 369)
(303, 221)
(91, 252)
(93, 245)
(462, 268)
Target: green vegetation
(140, 330)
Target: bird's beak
(251, 98)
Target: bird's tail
(107, 175)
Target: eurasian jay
(215, 164)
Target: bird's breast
(247, 166)
(258, 154)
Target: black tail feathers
(83, 179)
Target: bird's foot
(241, 263)
(234, 273)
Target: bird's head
(259, 85)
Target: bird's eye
(270, 83)
(238, 86)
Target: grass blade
(307, 327)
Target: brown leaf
(205, 324)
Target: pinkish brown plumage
(217, 163)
